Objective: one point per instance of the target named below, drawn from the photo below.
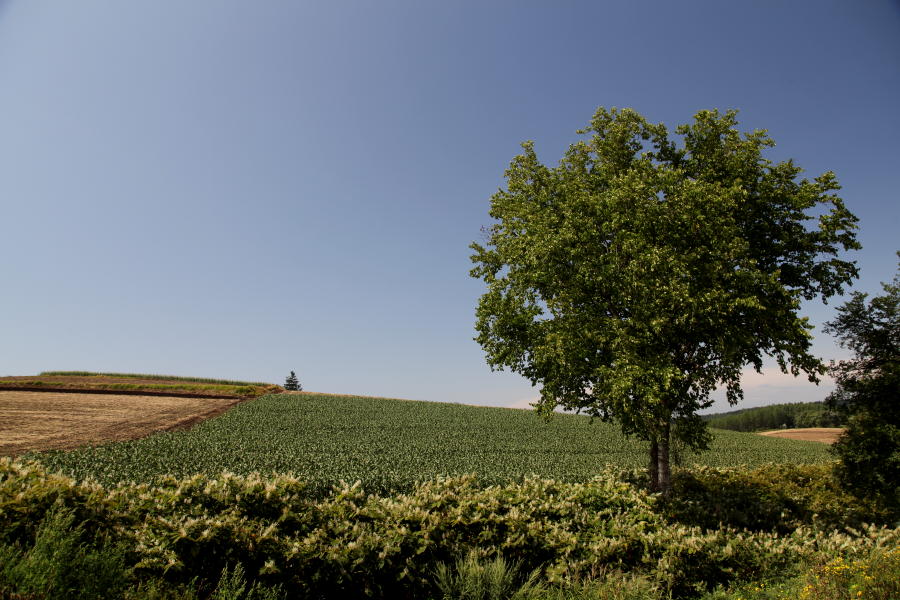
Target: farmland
(777, 416)
(269, 487)
(388, 445)
(132, 383)
(56, 420)
(826, 435)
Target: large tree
(868, 393)
(643, 272)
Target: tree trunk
(665, 474)
(654, 465)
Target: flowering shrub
(875, 577)
(354, 544)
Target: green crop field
(391, 444)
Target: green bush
(869, 453)
(262, 533)
(874, 576)
(610, 586)
(475, 579)
(60, 565)
(233, 586)
(777, 498)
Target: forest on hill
(777, 416)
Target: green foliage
(789, 589)
(869, 452)
(610, 586)
(779, 498)
(390, 444)
(61, 565)
(475, 579)
(291, 383)
(638, 275)
(160, 589)
(350, 544)
(876, 577)
(777, 416)
(873, 576)
(868, 391)
(233, 586)
(63, 562)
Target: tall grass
(497, 579)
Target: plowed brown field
(47, 420)
(826, 435)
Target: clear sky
(236, 189)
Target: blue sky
(236, 189)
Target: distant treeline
(776, 416)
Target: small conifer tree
(291, 383)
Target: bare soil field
(47, 420)
(826, 435)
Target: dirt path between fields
(44, 421)
(826, 435)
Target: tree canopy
(868, 391)
(640, 273)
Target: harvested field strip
(825, 435)
(142, 391)
(125, 388)
(133, 385)
(43, 421)
(152, 377)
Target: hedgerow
(773, 497)
(351, 544)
